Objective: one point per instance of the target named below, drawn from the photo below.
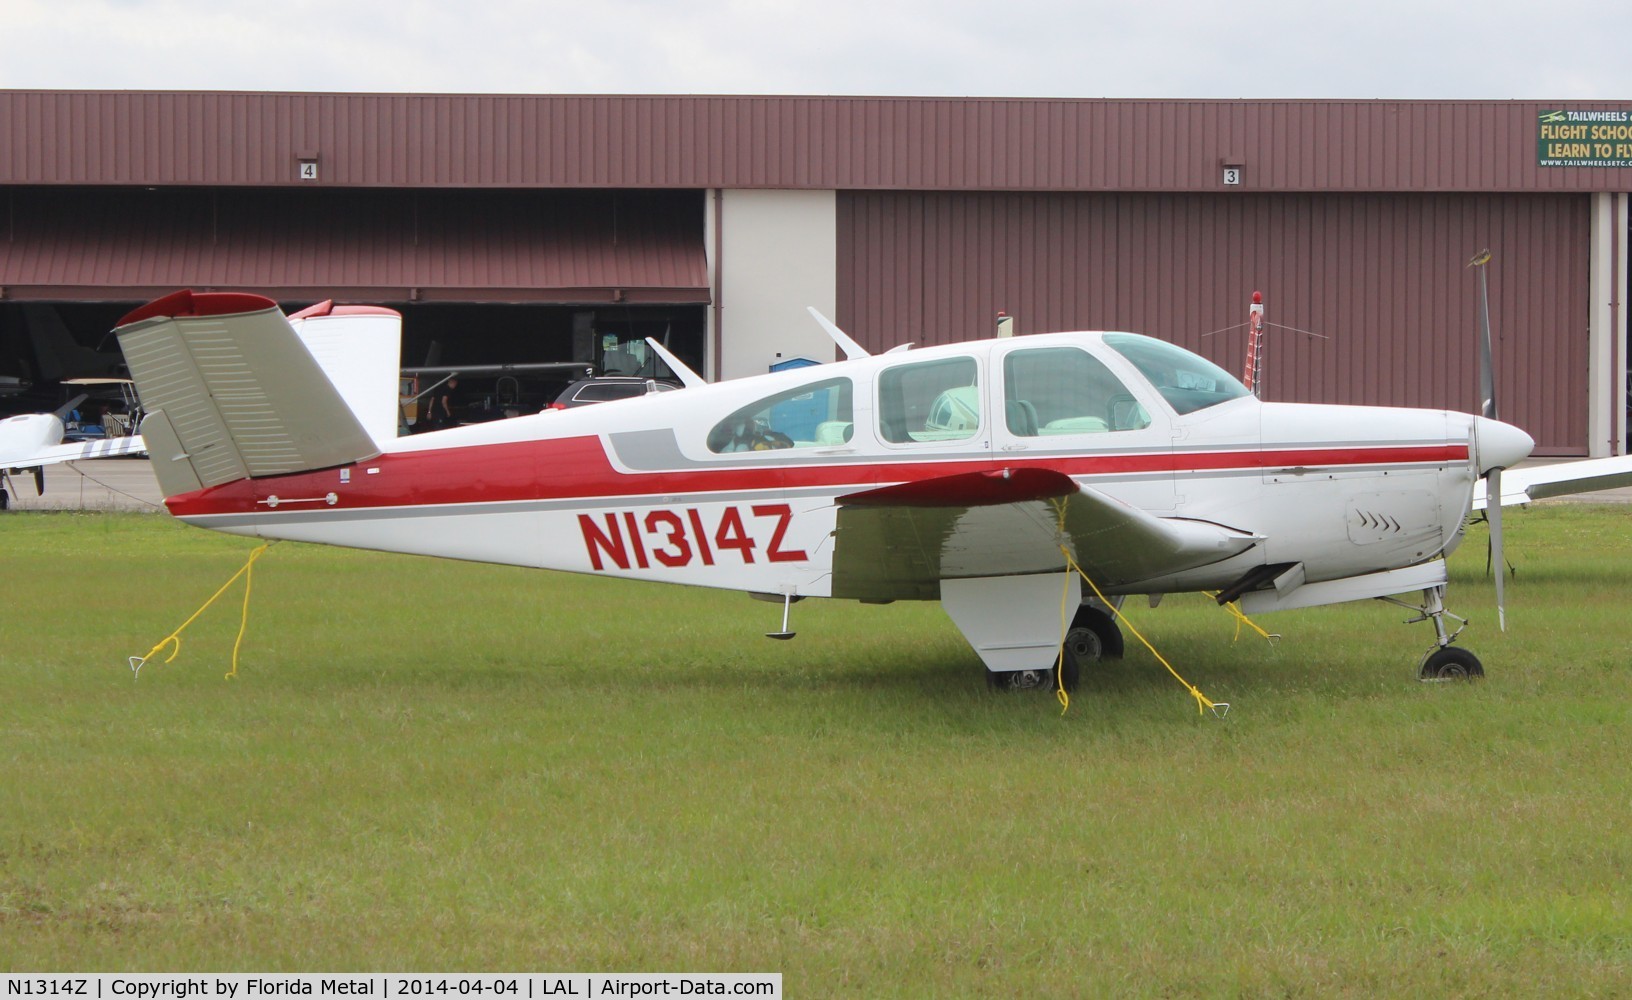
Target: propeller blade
(1487, 371)
(1493, 514)
(61, 412)
(1487, 408)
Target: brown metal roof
(511, 246)
(387, 140)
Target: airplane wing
(900, 542)
(101, 448)
(1539, 482)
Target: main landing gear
(1444, 662)
(1093, 636)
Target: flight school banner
(1585, 139)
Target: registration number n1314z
(675, 538)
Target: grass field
(435, 766)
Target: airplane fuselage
(658, 488)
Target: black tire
(1093, 636)
(1450, 663)
(1018, 680)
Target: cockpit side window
(929, 401)
(810, 416)
(1065, 390)
(1187, 381)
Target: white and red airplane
(974, 474)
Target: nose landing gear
(1450, 663)
(1443, 662)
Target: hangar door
(488, 276)
(1381, 276)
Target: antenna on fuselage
(847, 344)
(687, 377)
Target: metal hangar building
(546, 228)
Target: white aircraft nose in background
(34, 440)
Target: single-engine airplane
(32, 441)
(974, 474)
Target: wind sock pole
(1253, 377)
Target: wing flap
(899, 542)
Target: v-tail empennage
(232, 393)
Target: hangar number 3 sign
(1585, 139)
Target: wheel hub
(1083, 645)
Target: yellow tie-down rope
(173, 640)
(1241, 619)
(1219, 708)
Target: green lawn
(435, 766)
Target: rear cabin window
(930, 401)
(812, 416)
(1065, 390)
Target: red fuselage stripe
(574, 468)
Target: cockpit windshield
(1187, 381)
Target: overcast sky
(1566, 49)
